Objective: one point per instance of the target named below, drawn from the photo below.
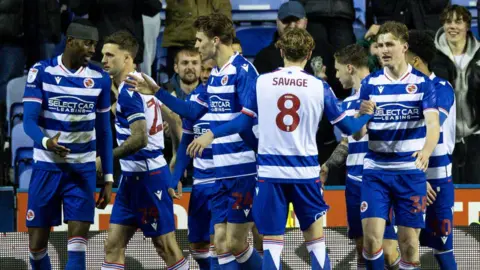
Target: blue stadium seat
(23, 167)
(255, 38)
(20, 141)
(15, 89)
(360, 11)
(160, 62)
(359, 29)
(475, 31)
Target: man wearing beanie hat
(440, 189)
(66, 113)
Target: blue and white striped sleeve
(132, 105)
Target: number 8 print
(284, 111)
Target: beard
(189, 78)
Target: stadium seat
(23, 167)
(20, 142)
(15, 89)
(255, 38)
(475, 31)
(160, 62)
(249, 5)
(360, 11)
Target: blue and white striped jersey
(356, 149)
(397, 129)
(133, 106)
(227, 90)
(289, 104)
(69, 102)
(440, 165)
(203, 167)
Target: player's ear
(175, 67)
(405, 47)
(350, 68)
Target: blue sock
(249, 259)
(318, 254)
(202, 257)
(445, 259)
(374, 261)
(272, 251)
(227, 262)
(77, 246)
(40, 260)
(213, 258)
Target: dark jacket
(329, 8)
(42, 21)
(110, 16)
(11, 20)
(466, 82)
(416, 14)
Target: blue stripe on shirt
(287, 161)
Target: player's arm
(365, 108)
(182, 158)
(336, 116)
(103, 130)
(432, 123)
(185, 108)
(336, 159)
(32, 107)
(445, 100)
(133, 108)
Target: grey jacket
(466, 111)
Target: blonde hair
(296, 44)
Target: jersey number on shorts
(288, 104)
(240, 201)
(155, 128)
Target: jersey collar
(432, 76)
(403, 77)
(230, 60)
(65, 69)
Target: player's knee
(113, 247)
(372, 242)
(409, 246)
(165, 245)
(38, 240)
(236, 244)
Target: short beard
(188, 81)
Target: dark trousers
(12, 64)
(466, 161)
(336, 31)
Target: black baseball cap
(291, 9)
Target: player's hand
(422, 160)
(367, 107)
(372, 31)
(52, 145)
(196, 147)
(105, 196)
(431, 195)
(144, 85)
(98, 164)
(323, 174)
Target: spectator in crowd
(237, 46)
(110, 16)
(151, 30)
(331, 21)
(418, 14)
(290, 15)
(206, 69)
(461, 56)
(180, 16)
(12, 56)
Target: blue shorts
(48, 190)
(405, 192)
(200, 225)
(233, 200)
(439, 221)
(270, 206)
(353, 189)
(143, 201)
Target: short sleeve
(187, 126)
(250, 105)
(103, 104)
(202, 96)
(132, 106)
(246, 82)
(429, 101)
(365, 90)
(33, 87)
(445, 97)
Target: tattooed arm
(137, 140)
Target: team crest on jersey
(32, 75)
(225, 80)
(30, 215)
(88, 82)
(363, 206)
(411, 88)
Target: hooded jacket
(465, 82)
